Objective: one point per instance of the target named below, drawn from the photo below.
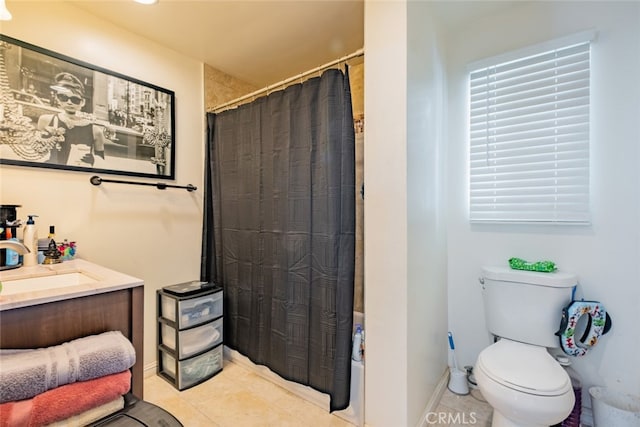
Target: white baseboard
(432, 404)
(150, 369)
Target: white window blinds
(529, 138)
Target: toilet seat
(525, 368)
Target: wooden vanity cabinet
(54, 323)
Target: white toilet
(517, 376)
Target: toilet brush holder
(458, 382)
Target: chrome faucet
(14, 245)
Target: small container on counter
(67, 250)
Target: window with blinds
(529, 136)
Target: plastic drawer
(189, 372)
(187, 312)
(187, 342)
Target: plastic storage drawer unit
(189, 342)
(190, 372)
(190, 333)
(189, 311)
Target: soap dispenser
(31, 242)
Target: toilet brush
(457, 378)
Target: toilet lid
(524, 367)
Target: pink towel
(65, 401)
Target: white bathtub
(354, 412)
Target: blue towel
(25, 374)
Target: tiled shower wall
(356, 77)
(220, 88)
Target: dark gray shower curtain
(279, 230)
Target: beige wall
(151, 234)
(386, 212)
(405, 247)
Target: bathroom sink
(56, 281)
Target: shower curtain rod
(357, 53)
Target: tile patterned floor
(239, 398)
(454, 411)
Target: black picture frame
(61, 113)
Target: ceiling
(262, 41)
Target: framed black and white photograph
(58, 112)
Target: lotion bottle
(31, 242)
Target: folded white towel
(26, 374)
(87, 417)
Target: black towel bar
(96, 180)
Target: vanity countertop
(104, 280)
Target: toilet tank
(525, 306)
